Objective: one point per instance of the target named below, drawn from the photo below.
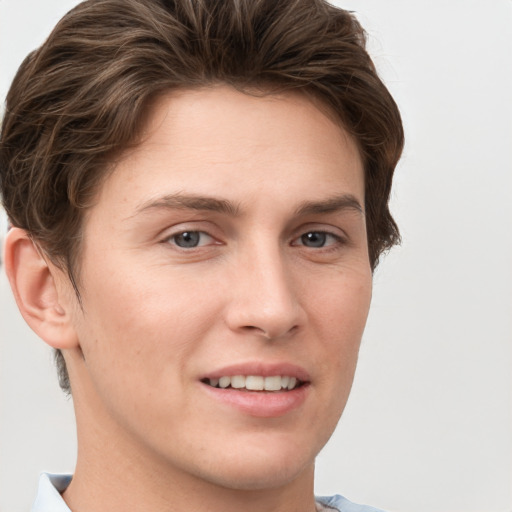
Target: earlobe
(33, 282)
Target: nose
(264, 300)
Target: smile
(255, 382)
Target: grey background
(429, 425)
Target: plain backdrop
(428, 427)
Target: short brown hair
(82, 97)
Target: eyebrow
(190, 202)
(203, 203)
(331, 205)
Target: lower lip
(262, 404)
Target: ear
(33, 282)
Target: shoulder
(341, 504)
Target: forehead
(219, 137)
(232, 114)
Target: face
(225, 286)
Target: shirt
(48, 497)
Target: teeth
(255, 382)
(238, 381)
(224, 382)
(272, 383)
(292, 383)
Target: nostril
(268, 334)
(257, 330)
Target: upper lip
(260, 369)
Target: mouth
(274, 383)
(256, 389)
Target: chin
(261, 478)
(257, 468)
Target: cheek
(138, 325)
(341, 306)
(340, 313)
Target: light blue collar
(48, 497)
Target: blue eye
(190, 239)
(318, 239)
(313, 239)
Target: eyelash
(196, 235)
(188, 232)
(337, 240)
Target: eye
(317, 239)
(190, 239)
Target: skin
(158, 317)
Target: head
(106, 80)
(83, 96)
